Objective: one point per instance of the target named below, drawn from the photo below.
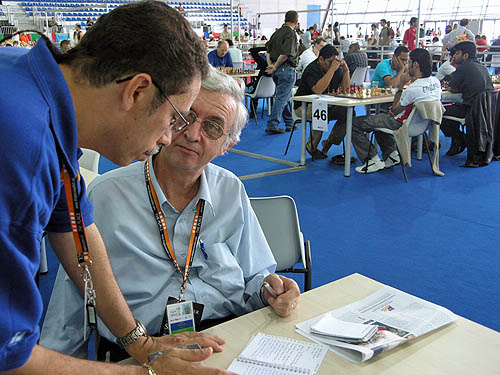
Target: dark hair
(144, 37)
(310, 28)
(383, 20)
(319, 40)
(424, 60)
(398, 51)
(464, 22)
(355, 46)
(328, 51)
(291, 16)
(435, 39)
(467, 47)
(335, 24)
(478, 36)
(63, 42)
(413, 19)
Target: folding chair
(265, 89)
(279, 221)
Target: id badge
(177, 317)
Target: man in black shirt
(470, 79)
(325, 74)
(283, 56)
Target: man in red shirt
(481, 42)
(411, 34)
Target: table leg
(348, 134)
(303, 134)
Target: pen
(269, 289)
(202, 247)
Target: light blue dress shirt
(227, 282)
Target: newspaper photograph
(399, 317)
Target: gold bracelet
(151, 371)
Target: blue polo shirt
(216, 61)
(382, 70)
(36, 114)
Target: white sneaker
(392, 160)
(373, 165)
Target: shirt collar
(203, 192)
(55, 92)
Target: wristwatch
(133, 335)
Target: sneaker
(372, 165)
(392, 160)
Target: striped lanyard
(162, 227)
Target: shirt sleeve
(211, 59)
(408, 96)
(311, 76)
(406, 36)
(456, 81)
(288, 46)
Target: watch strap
(133, 335)
(151, 371)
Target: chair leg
(255, 113)
(426, 143)
(402, 164)
(308, 265)
(290, 139)
(263, 106)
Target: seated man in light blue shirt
(388, 72)
(220, 56)
(227, 272)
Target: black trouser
(452, 128)
(261, 65)
(116, 353)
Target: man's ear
(225, 149)
(139, 89)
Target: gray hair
(222, 83)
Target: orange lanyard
(162, 227)
(81, 245)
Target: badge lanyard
(162, 227)
(82, 250)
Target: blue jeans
(284, 78)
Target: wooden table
(463, 347)
(245, 75)
(350, 103)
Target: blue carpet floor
(434, 237)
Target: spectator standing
(411, 35)
(375, 34)
(315, 32)
(90, 22)
(77, 35)
(308, 37)
(226, 34)
(328, 33)
(459, 34)
(385, 33)
(282, 55)
(344, 45)
(336, 34)
(481, 42)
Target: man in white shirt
(424, 88)
(309, 55)
(231, 258)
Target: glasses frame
(162, 94)
(210, 121)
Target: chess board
(364, 96)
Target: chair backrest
(236, 54)
(90, 160)
(358, 76)
(265, 88)
(495, 61)
(416, 124)
(280, 223)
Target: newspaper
(399, 316)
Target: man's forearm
(44, 361)
(110, 304)
(323, 83)
(280, 61)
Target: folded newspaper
(399, 317)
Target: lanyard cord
(162, 227)
(75, 216)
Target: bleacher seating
(46, 8)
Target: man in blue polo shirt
(108, 94)
(220, 56)
(388, 72)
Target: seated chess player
(206, 213)
(424, 88)
(220, 57)
(325, 74)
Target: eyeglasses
(177, 124)
(209, 128)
